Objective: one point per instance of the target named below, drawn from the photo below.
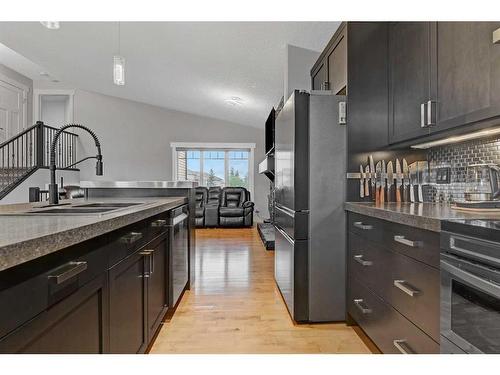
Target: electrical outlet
(443, 175)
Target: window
(214, 164)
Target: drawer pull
(360, 260)
(68, 271)
(404, 241)
(159, 223)
(131, 238)
(403, 285)
(360, 225)
(362, 306)
(402, 346)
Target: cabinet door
(319, 78)
(468, 67)
(157, 284)
(127, 305)
(337, 67)
(409, 78)
(74, 325)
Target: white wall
(298, 64)
(39, 179)
(136, 137)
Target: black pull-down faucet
(53, 188)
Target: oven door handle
(476, 281)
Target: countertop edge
(31, 249)
(427, 223)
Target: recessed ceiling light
(234, 101)
(52, 25)
(44, 74)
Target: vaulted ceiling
(186, 66)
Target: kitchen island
(85, 279)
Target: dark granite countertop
(24, 238)
(421, 215)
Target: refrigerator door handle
(285, 210)
(284, 234)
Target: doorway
(13, 98)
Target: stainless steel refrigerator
(310, 178)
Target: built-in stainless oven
(470, 294)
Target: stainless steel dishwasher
(179, 252)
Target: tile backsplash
(457, 157)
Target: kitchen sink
(88, 209)
(110, 204)
(70, 210)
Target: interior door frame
(24, 90)
(37, 107)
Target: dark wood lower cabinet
(157, 291)
(75, 325)
(394, 284)
(138, 297)
(127, 310)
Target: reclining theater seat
(201, 193)
(235, 210)
(212, 208)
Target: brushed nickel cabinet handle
(131, 238)
(422, 116)
(362, 306)
(360, 225)
(431, 113)
(403, 286)
(159, 223)
(407, 242)
(402, 346)
(69, 270)
(360, 260)
(147, 253)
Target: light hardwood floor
(235, 306)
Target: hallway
(235, 306)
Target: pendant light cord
(119, 38)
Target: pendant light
(119, 63)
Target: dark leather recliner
(236, 209)
(212, 209)
(201, 193)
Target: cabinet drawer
(390, 331)
(411, 287)
(419, 244)
(366, 227)
(368, 262)
(414, 290)
(33, 287)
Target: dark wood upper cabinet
(337, 66)
(330, 70)
(319, 78)
(410, 76)
(468, 73)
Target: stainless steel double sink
(82, 209)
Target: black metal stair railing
(29, 150)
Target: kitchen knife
(406, 180)
(367, 183)
(422, 178)
(361, 182)
(372, 177)
(399, 181)
(413, 175)
(390, 181)
(378, 171)
(382, 183)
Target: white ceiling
(186, 66)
